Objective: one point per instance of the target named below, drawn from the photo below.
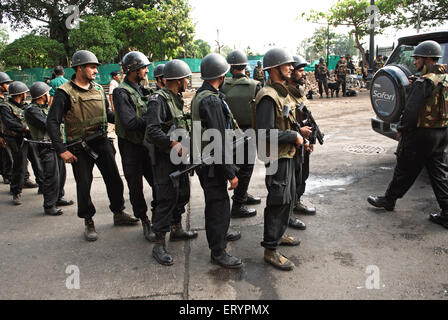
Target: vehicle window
(403, 57)
(404, 53)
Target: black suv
(390, 84)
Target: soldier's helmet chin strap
(281, 74)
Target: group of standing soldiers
(75, 131)
(343, 67)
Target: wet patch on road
(345, 258)
(319, 184)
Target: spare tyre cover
(388, 93)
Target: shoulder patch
(154, 97)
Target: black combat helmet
(428, 49)
(299, 62)
(4, 78)
(17, 87)
(158, 70)
(321, 59)
(237, 58)
(276, 57)
(214, 66)
(176, 69)
(38, 89)
(134, 60)
(83, 57)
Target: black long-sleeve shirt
(266, 120)
(59, 108)
(157, 114)
(215, 115)
(9, 120)
(421, 89)
(35, 117)
(125, 108)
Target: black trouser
(217, 206)
(170, 202)
(416, 150)
(280, 203)
(6, 162)
(323, 82)
(136, 165)
(342, 80)
(244, 174)
(19, 152)
(83, 172)
(33, 157)
(54, 176)
(302, 174)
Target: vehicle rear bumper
(386, 129)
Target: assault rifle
(315, 133)
(82, 142)
(288, 115)
(177, 174)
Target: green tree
(344, 44)
(96, 34)
(195, 49)
(4, 37)
(54, 13)
(33, 51)
(160, 32)
(353, 13)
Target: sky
(262, 24)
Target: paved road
(405, 255)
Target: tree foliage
(160, 32)
(33, 51)
(96, 34)
(54, 13)
(195, 49)
(353, 13)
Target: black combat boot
(241, 211)
(121, 218)
(53, 211)
(252, 200)
(16, 199)
(382, 202)
(301, 208)
(28, 184)
(225, 260)
(62, 202)
(233, 235)
(440, 218)
(159, 251)
(147, 230)
(177, 233)
(296, 223)
(90, 232)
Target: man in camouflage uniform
(341, 75)
(423, 132)
(321, 73)
(259, 74)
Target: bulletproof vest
(378, 64)
(239, 94)
(259, 73)
(87, 114)
(278, 93)
(140, 103)
(195, 116)
(321, 69)
(435, 112)
(342, 69)
(1, 124)
(297, 97)
(18, 114)
(36, 133)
